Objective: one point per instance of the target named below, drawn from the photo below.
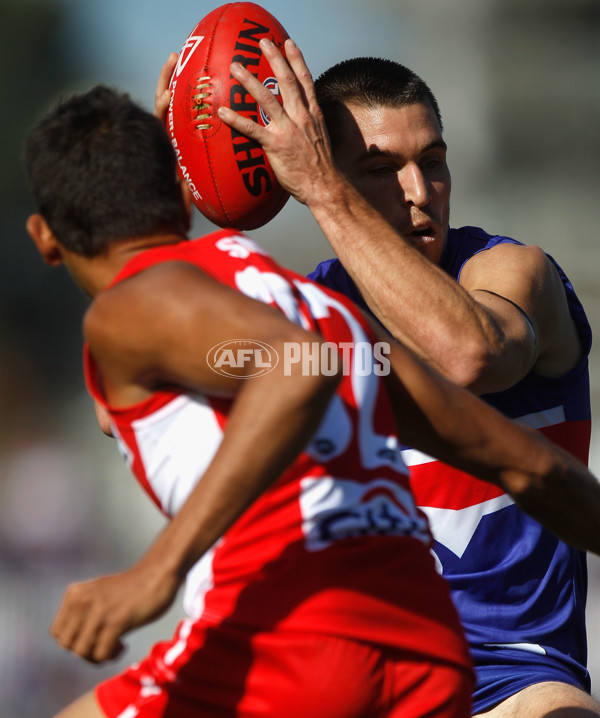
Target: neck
(94, 274)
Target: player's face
(396, 158)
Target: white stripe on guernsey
(176, 444)
(412, 457)
(198, 582)
(529, 647)
(129, 712)
(541, 419)
(537, 420)
(455, 528)
(178, 647)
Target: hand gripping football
(229, 175)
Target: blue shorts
(502, 672)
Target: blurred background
(517, 81)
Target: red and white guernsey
(336, 545)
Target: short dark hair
(102, 169)
(370, 82)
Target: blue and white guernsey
(520, 592)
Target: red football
(230, 177)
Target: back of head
(370, 82)
(103, 169)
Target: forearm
(544, 480)
(263, 437)
(414, 299)
(445, 421)
(565, 499)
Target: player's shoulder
(470, 244)
(516, 259)
(127, 307)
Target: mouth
(422, 234)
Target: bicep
(522, 292)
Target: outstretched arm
(158, 328)
(448, 422)
(509, 314)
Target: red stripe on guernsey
(93, 381)
(459, 490)
(574, 436)
(122, 430)
(130, 451)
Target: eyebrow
(374, 151)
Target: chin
(430, 247)
(433, 251)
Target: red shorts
(221, 672)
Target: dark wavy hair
(102, 169)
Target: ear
(103, 418)
(44, 239)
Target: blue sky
(125, 42)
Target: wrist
(332, 196)
(168, 559)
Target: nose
(414, 185)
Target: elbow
(485, 368)
(470, 367)
(490, 363)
